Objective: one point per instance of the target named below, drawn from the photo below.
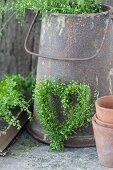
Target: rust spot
(57, 56)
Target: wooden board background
(13, 58)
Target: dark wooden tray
(7, 135)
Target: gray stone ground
(29, 154)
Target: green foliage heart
(75, 115)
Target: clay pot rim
(105, 124)
(103, 108)
(94, 121)
(108, 9)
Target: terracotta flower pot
(104, 109)
(98, 121)
(104, 143)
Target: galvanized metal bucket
(76, 47)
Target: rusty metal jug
(76, 47)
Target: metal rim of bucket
(109, 10)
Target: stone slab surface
(29, 154)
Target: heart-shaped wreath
(76, 114)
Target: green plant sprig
(75, 115)
(11, 97)
(50, 6)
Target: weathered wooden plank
(13, 58)
(11, 132)
(109, 2)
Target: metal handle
(27, 37)
(66, 59)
